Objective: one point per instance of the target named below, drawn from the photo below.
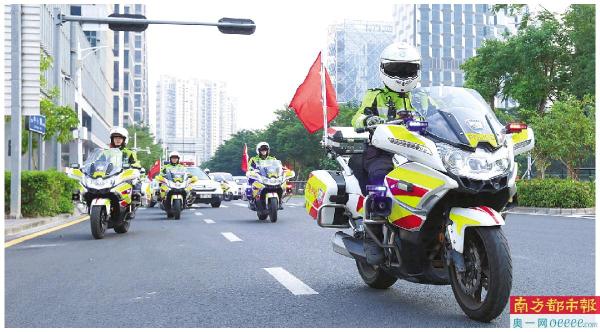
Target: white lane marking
(198, 213)
(240, 204)
(289, 281)
(231, 237)
(224, 206)
(141, 208)
(192, 209)
(209, 221)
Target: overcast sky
(262, 70)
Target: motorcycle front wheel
(177, 209)
(482, 291)
(98, 221)
(273, 206)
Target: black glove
(373, 120)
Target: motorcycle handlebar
(368, 128)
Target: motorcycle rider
(399, 69)
(174, 158)
(118, 139)
(263, 151)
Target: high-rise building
(130, 95)
(447, 35)
(354, 48)
(193, 116)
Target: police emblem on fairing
(475, 125)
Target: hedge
(43, 193)
(556, 193)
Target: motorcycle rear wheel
(488, 268)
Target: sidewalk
(15, 228)
(554, 211)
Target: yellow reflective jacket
(379, 100)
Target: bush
(43, 193)
(556, 193)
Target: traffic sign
(37, 123)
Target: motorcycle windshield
(457, 115)
(103, 163)
(270, 168)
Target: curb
(554, 211)
(24, 227)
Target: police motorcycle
(439, 212)
(175, 188)
(106, 187)
(268, 186)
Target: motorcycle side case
(326, 187)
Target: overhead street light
(137, 22)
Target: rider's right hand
(373, 120)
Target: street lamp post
(121, 22)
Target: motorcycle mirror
(75, 165)
(143, 170)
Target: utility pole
(15, 112)
(56, 46)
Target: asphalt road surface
(221, 267)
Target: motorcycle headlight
(476, 165)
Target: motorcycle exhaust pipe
(347, 245)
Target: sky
(262, 70)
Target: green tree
(144, 139)
(484, 72)
(570, 124)
(60, 120)
(580, 26)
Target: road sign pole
(30, 152)
(15, 112)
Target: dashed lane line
(231, 237)
(289, 281)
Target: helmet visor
(400, 69)
(263, 148)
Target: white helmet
(261, 144)
(119, 131)
(206, 170)
(174, 154)
(400, 67)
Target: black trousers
(377, 163)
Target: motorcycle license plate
(205, 196)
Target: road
(217, 268)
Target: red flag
(154, 169)
(245, 159)
(307, 102)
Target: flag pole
(323, 99)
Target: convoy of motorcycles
(437, 217)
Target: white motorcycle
(438, 214)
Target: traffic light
(128, 26)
